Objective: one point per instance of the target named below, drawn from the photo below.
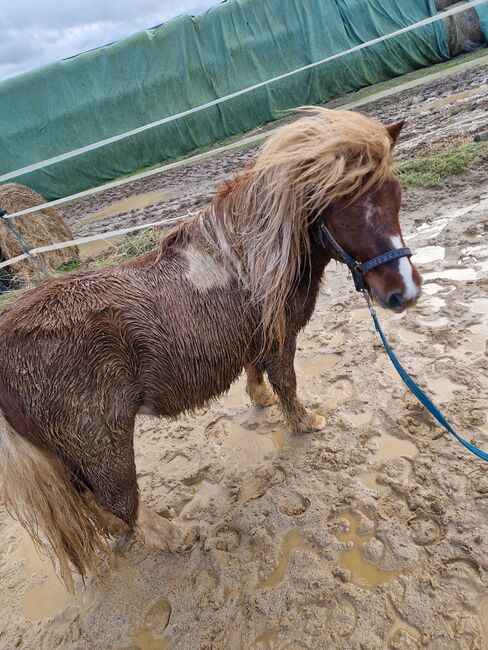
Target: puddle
(400, 625)
(360, 418)
(432, 288)
(293, 541)
(363, 573)
(337, 393)
(483, 616)
(443, 388)
(450, 99)
(245, 448)
(442, 321)
(451, 274)
(428, 254)
(47, 598)
(389, 448)
(143, 639)
(409, 336)
(317, 364)
(135, 202)
(477, 339)
(479, 305)
(279, 438)
(430, 230)
(94, 248)
(434, 303)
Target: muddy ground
(371, 534)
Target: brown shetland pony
(82, 355)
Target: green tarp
(189, 61)
(482, 11)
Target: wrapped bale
(37, 229)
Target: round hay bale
(37, 229)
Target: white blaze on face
(406, 271)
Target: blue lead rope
(420, 395)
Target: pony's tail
(36, 490)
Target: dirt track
(371, 534)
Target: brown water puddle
(360, 418)
(363, 573)
(443, 387)
(135, 202)
(316, 365)
(293, 541)
(483, 616)
(47, 598)
(340, 391)
(244, 448)
(389, 448)
(450, 99)
(144, 639)
(409, 336)
(94, 248)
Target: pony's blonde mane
(264, 215)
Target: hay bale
(38, 229)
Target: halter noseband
(359, 269)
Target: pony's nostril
(396, 301)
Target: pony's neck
(312, 271)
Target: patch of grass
(432, 169)
(69, 266)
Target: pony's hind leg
(113, 483)
(281, 374)
(261, 395)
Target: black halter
(359, 269)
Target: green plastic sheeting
(482, 11)
(189, 61)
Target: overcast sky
(35, 32)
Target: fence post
(25, 246)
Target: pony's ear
(394, 131)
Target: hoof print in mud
(227, 539)
(295, 505)
(425, 531)
(158, 616)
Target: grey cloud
(35, 33)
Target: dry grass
(37, 229)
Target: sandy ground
(371, 534)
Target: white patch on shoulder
(406, 271)
(204, 272)
(369, 209)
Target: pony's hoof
(186, 540)
(261, 396)
(314, 422)
(317, 423)
(264, 399)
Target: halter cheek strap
(359, 269)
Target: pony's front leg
(261, 395)
(281, 374)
